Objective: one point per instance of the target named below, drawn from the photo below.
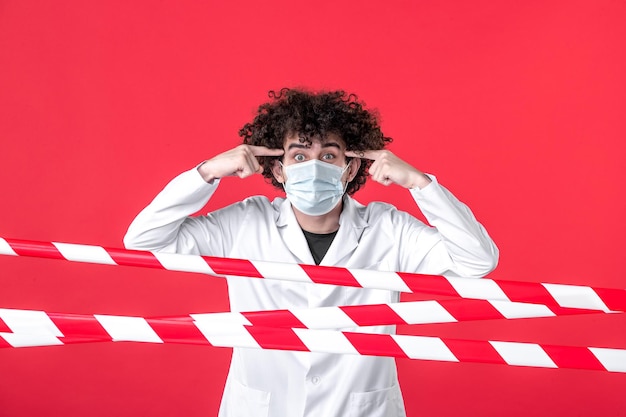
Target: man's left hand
(387, 169)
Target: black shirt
(319, 244)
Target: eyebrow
(324, 145)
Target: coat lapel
(292, 235)
(351, 226)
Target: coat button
(316, 380)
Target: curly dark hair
(314, 114)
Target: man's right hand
(240, 161)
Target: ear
(355, 164)
(277, 171)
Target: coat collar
(351, 226)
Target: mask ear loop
(345, 187)
(282, 169)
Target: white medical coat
(376, 236)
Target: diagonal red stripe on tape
(428, 284)
(275, 338)
(471, 310)
(274, 318)
(37, 249)
(227, 266)
(178, 331)
(527, 292)
(375, 344)
(474, 351)
(377, 314)
(4, 343)
(134, 258)
(4, 328)
(573, 357)
(615, 299)
(80, 340)
(330, 275)
(568, 311)
(78, 326)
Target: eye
(328, 157)
(299, 157)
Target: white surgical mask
(314, 187)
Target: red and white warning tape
(21, 328)
(571, 296)
(21, 325)
(336, 317)
(300, 329)
(410, 312)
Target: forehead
(331, 139)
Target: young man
(319, 148)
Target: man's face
(331, 150)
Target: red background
(517, 107)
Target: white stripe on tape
(27, 340)
(84, 253)
(424, 347)
(226, 335)
(421, 312)
(29, 321)
(282, 271)
(326, 341)
(514, 310)
(128, 329)
(613, 360)
(481, 289)
(5, 249)
(185, 263)
(235, 319)
(375, 279)
(523, 354)
(576, 296)
(324, 318)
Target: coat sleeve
(456, 244)
(165, 224)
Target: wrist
(205, 172)
(419, 181)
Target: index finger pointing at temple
(363, 154)
(264, 151)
